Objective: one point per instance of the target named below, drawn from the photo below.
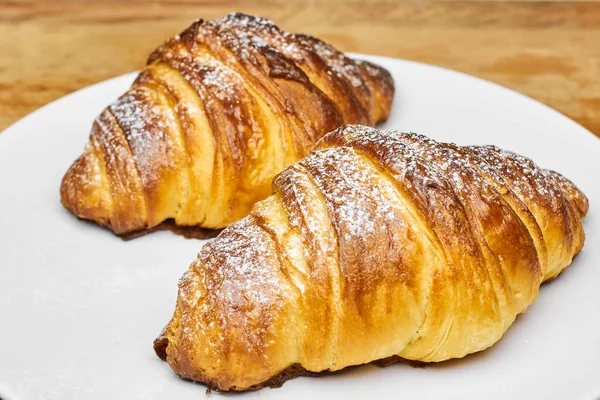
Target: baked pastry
(210, 120)
(379, 245)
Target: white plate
(79, 307)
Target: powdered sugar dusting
(226, 100)
(307, 213)
(237, 31)
(241, 283)
(340, 64)
(242, 267)
(144, 124)
(246, 34)
(464, 178)
(389, 147)
(245, 20)
(521, 174)
(355, 199)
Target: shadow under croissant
(189, 232)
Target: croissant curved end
(82, 193)
(161, 343)
(573, 193)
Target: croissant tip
(160, 347)
(81, 192)
(572, 192)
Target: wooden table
(547, 50)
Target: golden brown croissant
(379, 245)
(216, 113)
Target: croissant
(379, 245)
(215, 114)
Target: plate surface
(79, 307)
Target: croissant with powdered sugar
(216, 113)
(379, 245)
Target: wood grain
(547, 50)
